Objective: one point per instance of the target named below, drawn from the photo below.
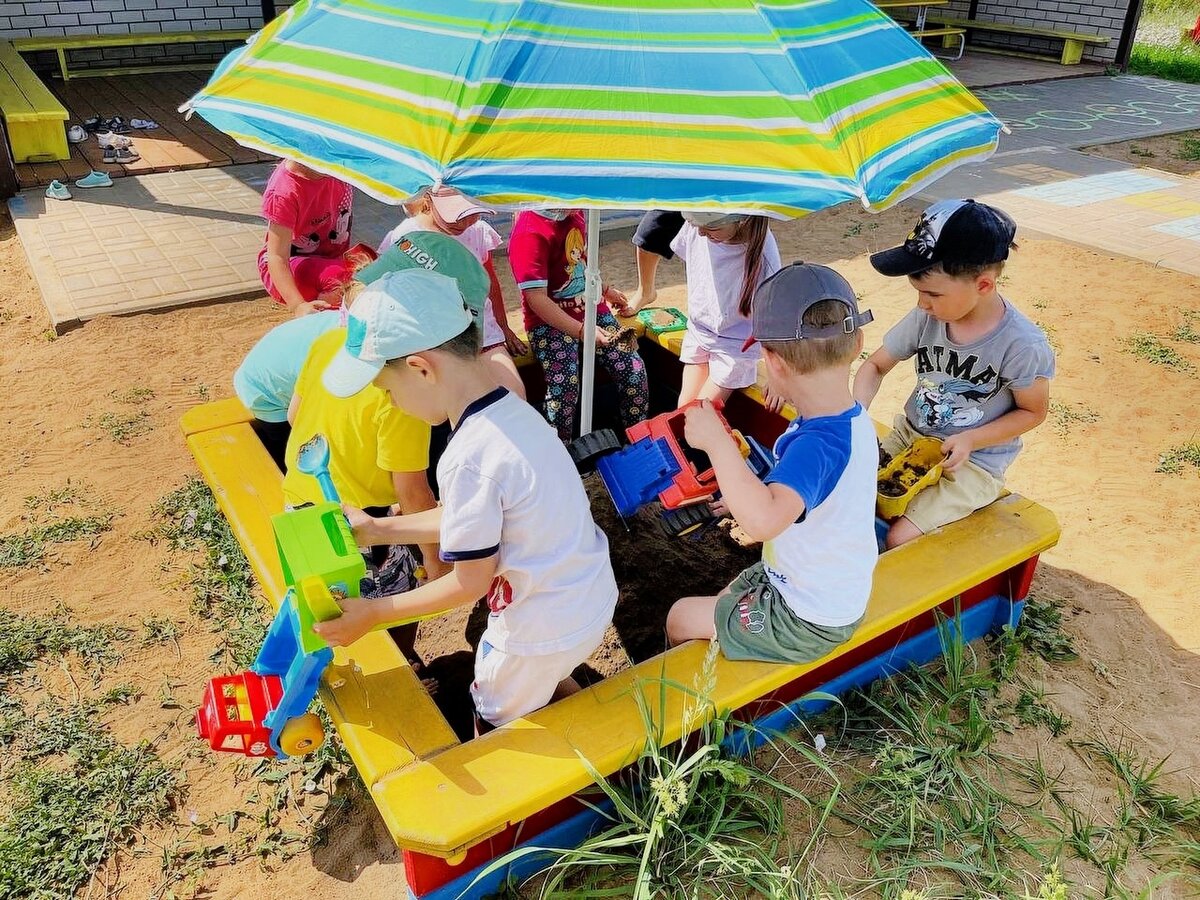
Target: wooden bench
(33, 116)
(62, 45)
(920, 28)
(1073, 41)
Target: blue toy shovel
(313, 459)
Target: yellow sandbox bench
(32, 115)
(1073, 41)
(61, 45)
(439, 797)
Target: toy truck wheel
(302, 735)
(587, 449)
(686, 519)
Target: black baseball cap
(782, 300)
(962, 232)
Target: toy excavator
(658, 464)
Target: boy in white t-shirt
(514, 520)
(815, 513)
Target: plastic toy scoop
(313, 459)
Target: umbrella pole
(591, 301)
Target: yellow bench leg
(62, 63)
(1072, 52)
(38, 141)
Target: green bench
(33, 117)
(61, 45)
(1073, 41)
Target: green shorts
(755, 622)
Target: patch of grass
(202, 391)
(1064, 416)
(1031, 709)
(132, 396)
(853, 230)
(1134, 150)
(75, 796)
(1040, 631)
(1175, 460)
(26, 639)
(69, 495)
(28, 548)
(222, 583)
(1187, 332)
(1150, 348)
(159, 630)
(1177, 63)
(123, 427)
(1189, 149)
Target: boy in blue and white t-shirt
(815, 513)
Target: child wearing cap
(547, 252)
(447, 211)
(726, 257)
(983, 368)
(303, 263)
(514, 520)
(378, 456)
(266, 378)
(815, 513)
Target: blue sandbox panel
(987, 617)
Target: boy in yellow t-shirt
(378, 456)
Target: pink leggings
(314, 275)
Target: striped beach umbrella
(781, 107)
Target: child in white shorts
(727, 257)
(514, 520)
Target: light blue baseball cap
(395, 316)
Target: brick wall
(39, 18)
(1103, 17)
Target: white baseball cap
(397, 315)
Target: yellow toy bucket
(910, 471)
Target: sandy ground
(1127, 564)
(1176, 153)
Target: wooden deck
(175, 145)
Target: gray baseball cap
(782, 300)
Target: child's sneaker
(76, 135)
(94, 180)
(112, 139)
(58, 191)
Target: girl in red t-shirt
(547, 253)
(305, 263)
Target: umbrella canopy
(777, 106)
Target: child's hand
(513, 342)
(303, 309)
(772, 401)
(614, 298)
(604, 337)
(958, 450)
(357, 619)
(719, 508)
(361, 524)
(703, 428)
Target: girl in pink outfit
(304, 262)
(451, 212)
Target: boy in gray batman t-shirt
(983, 368)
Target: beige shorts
(507, 686)
(954, 496)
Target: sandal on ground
(117, 125)
(58, 191)
(111, 139)
(143, 124)
(94, 180)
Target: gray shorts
(754, 622)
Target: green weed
(28, 548)
(1141, 151)
(222, 584)
(132, 396)
(1051, 336)
(1064, 416)
(203, 392)
(1150, 348)
(123, 427)
(26, 639)
(159, 630)
(1173, 461)
(69, 495)
(1041, 632)
(1186, 333)
(1178, 63)
(75, 796)
(1031, 709)
(1189, 149)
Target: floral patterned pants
(559, 355)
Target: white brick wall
(82, 17)
(1103, 17)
